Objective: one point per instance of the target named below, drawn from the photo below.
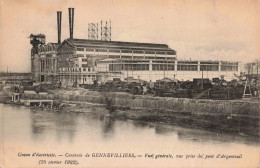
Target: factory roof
(116, 44)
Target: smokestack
(71, 21)
(59, 25)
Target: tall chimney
(71, 21)
(59, 25)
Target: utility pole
(257, 78)
(257, 67)
(127, 73)
(202, 79)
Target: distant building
(81, 61)
(252, 68)
(15, 78)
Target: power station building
(83, 61)
(159, 69)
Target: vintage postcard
(129, 83)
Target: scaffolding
(106, 31)
(247, 90)
(93, 31)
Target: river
(30, 130)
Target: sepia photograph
(129, 83)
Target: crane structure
(247, 89)
(93, 31)
(106, 31)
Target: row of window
(164, 62)
(114, 56)
(188, 62)
(209, 63)
(126, 57)
(229, 68)
(48, 64)
(45, 49)
(155, 67)
(187, 68)
(206, 63)
(70, 69)
(139, 57)
(128, 61)
(132, 57)
(84, 68)
(42, 66)
(229, 63)
(84, 65)
(209, 67)
(162, 67)
(129, 51)
(135, 61)
(128, 67)
(150, 58)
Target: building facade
(154, 69)
(81, 61)
(47, 60)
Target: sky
(197, 29)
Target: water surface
(29, 130)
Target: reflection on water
(45, 123)
(37, 130)
(203, 136)
(42, 121)
(140, 124)
(52, 126)
(108, 127)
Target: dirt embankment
(241, 124)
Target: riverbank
(240, 124)
(237, 116)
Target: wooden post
(51, 103)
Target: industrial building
(156, 69)
(83, 61)
(86, 58)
